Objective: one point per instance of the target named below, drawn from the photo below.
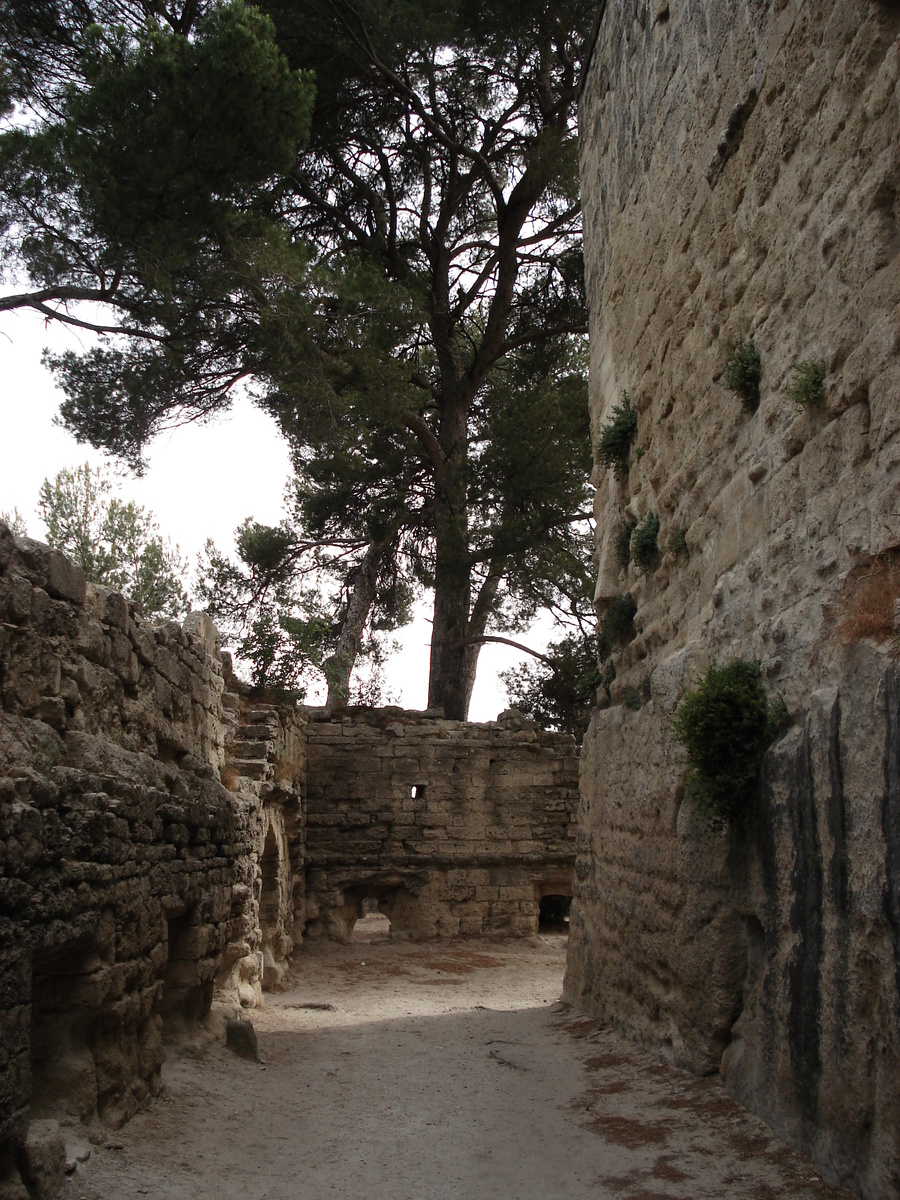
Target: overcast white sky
(202, 482)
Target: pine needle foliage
(616, 437)
(725, 724)
(560, 692)
(807, 386)
(743, 372)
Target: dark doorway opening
(64, 1006)
(372, 926)
(554, 914)
(186, 998)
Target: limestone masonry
(740, 170)
(453, 828)
(157, 845)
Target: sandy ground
(441, 1071)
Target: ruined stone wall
(456, 829)
(153, 837)
(741, 174)
(118, 842)
(266, 767)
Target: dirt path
(444, 1072)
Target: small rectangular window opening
(418, 791)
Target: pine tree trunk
(447, 682)
(481, 611)
(338, 667)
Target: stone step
(251, 768)
(265, 713)
(257, 731)
(246, 748)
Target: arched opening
(64, 997)
(373, 925)
(186, 998)
(270, 907)
(554, 913)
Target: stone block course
(113, 823)
(491, 794)
(164, 834)
(740, 173)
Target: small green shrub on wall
(807, 387)
(644, 541)
(677, 543)
(617, 436)
(743, 372)
(725, 724)
(617, 626)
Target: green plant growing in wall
(743, 372)
(616, 437)
(677, 543)
(608, 675)
(644, 541)
(622, 542)
(807, 387)
(725, 725)
(617, 626)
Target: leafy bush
(677, 543)
(622, 541)
(617, 626)
(725, 725)
(743, 372)
(807, 388)
(560, 692)
(616, 437)
(644, 546)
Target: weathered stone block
(42, 1160)
(53, 571)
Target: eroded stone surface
(455, 829)
(740, 170)
(118, 843)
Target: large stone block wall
(741, 174)
(118, 841)
(455, 829)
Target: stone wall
(741, 175)
(266, 767)
(455, 829)
(154, 848)
(118, 842)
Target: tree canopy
(560, 691)
(405, 293)
(116, 542)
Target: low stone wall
(455, 829)
(118, 842)
(154, 847)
